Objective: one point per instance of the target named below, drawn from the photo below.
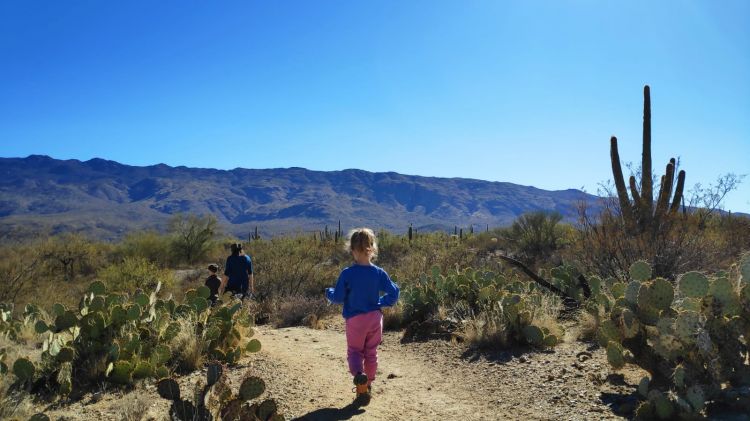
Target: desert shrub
(535, 236)
(489, 242)
(298, 310)
(192, 236)
(606, 247)
(135, 408)
(149, 245)
(288, 266)
(189, 347)
(426, 251)
(67, 256)
(20, 266)
(587, 325)
(497, 306)
(135, 273)
(393, 317)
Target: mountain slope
(106, 199)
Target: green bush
(135, 273)
(150, 245)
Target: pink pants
(364, 332)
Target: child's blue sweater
(359, 288)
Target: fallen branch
(567, 300)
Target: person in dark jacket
(238, 272)
(213, 283)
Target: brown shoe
(362, 389)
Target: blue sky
(521, 91)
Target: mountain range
(105, 199)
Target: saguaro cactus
(640, 215)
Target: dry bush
(188, 347)
(488, 330)
(20, 266)
(134, 408)
(586, 326)
(607, 248)
(393, 317)
(287, 266)
(15, 404)
(298, 310)
(546, 315)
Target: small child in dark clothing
(213, 283)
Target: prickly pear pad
(693, 284)
(640, 271)
(614, 355)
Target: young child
(358, 289)
(213, 282)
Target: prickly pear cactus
(215, 400)
(692, 337)
(516, 302)
(132, 334)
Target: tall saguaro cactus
(640, 215)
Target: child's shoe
(362, 389)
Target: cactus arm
(678, 192)
(647, 194)
(634, 190)
(662, 205)
(622, 192)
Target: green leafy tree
(192, 235)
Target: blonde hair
(362, 240)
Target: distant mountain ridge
(106, 199)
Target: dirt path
(319, 387)
(306, 371)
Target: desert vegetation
(658, 281)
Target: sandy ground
(305, 370)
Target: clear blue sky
(521, 91)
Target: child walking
(358, 288)
(213, 283)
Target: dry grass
(188, 346)
(134, 408)
(586, 327)
(298, 310)
(545, 316)
(393, 317)
(14, 404)
(487, 330)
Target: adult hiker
(238, 273)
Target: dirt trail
(306, 371)
(318, 386)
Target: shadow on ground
(500, 356)
(333, 414)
